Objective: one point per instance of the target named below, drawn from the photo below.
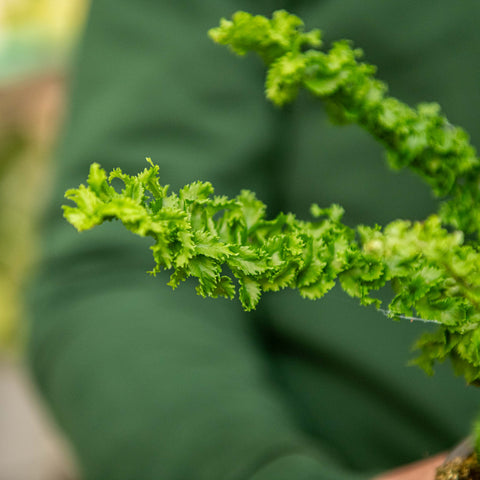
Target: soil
(460, 468)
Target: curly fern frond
(232, 249)
(420, 138)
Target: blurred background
(37, 44)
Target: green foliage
(434, 274)
(420, 138)
(229, 244)
(231, 248)
(271, 39)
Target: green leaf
(433, 266)
(249, 293)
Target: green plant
(433, 266)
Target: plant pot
(461, 464)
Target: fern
(232, 249)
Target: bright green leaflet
(231, 248)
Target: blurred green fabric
(151, 384)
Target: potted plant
(228, 244)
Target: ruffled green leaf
(433, 267)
